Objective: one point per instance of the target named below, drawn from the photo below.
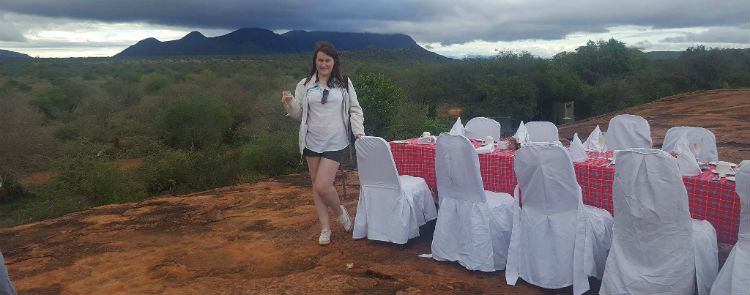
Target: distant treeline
(107, 130)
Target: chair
(734, 277)
(542, 131)
(557, 241)
(473, 225)
(479, 127)
(628, 131)
(657, 248)
(695, 135)
(391, 207)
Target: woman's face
(324, 64)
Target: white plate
(722, 174)
(730, 178)
(714, 163)
(400, 141)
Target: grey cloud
(714, 35)
(8, 31)
(444, 21)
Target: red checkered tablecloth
(715, 201)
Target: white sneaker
(325, 237)
(345, 220)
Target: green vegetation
(194, 123)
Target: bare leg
(320, 206)
(323, 184)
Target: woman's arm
(356, 117)
(294, 108)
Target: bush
(196, 122)
(154, 82)
(379, 97)
(185, 171)
(271, 154)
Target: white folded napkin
(427, 139)
(490, 147)
(458, 128)
(522, 135)
(686, 159)
(577, 151)
(592, 142)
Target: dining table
(711, 199)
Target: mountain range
(12, 54)
(263, 41)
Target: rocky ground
(261, 237)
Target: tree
(379, 97)
(196, 122)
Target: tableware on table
(715, 163)
(503, 145)
(603, 141)
(426, 133)
(487, 140)
(724, 167)
(400, 141)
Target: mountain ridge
(12, 54)
(263, 41)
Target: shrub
(153, 82)
(196, 122)
(379, 97)
(271, 154)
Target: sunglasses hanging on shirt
(324, 99)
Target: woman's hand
(286, 97)
(358, 135)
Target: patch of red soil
(37, 178)
(128, 164)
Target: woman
(329, 112)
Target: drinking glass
(603, 142)
(697, 149)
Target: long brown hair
(335, 79)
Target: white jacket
(352, 112)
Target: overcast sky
(72, 28)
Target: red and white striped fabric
(715, 201)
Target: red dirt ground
(261, 237)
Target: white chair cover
(694, 135)
(557, 240)
(628, 131)
(734, 277)
(479, 127)
(542, 131)
(391, 208)
(474, 225)
(656, 247)
(592, 142)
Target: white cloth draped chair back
(391, 207)
(657, 248)
(694, 135)
(474, 225)
(628, 131)
(557, 241)
(479, 127)
(542, 131)
(734, 277)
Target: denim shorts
(331, 155)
